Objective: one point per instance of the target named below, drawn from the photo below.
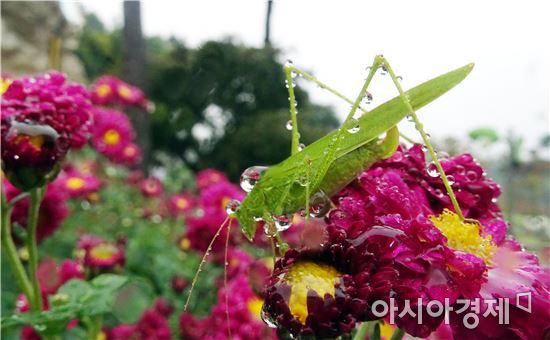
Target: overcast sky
(337, 40)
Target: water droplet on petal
(451, 179)
(432, 170)
(232, 207)
(251, 176)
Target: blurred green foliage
(214, 104)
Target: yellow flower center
(101, 336)
(182, 203)
(75, 183)
(36, 141)
(185, 244)
(464, 236)
(124, 91)
(4, 84)
(103, 251)
(305, 276)
(103, 90)
(111, 137)
(255, 307)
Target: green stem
(293, 113)
(32, 223)
(408, 139)
(94, 326)
(11, 252)
(425, 138)
(397, 334)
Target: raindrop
(472, 175)
(432, 170)
(282, 222)
(258, 219)
(301, 146)
(399, 78)
(319, 205)
(293, 74)
(288, 63)
(367, 98)
(251, 176)
(353, 126)
(383, 70)
(232, 207)
(410, 118)
(451, 179)
(289, 125)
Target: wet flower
(513, 271)
(325, 292)
(109, 90)
(112, 132)
(209, 176)
(78, 184)
(151, 187)
(42, 118)
(53, 209)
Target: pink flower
(51, 276)
(100, 256)
(151, 187)
(109, 90)
(217, 195)
(112, 132)
(53, 209)
(208, 177)
(130, 155)
(42, 118)
(78, 184)
(180, 204)
(151, 326)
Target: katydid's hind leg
(203, 261)
(290, 74)
(420, 127)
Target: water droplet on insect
(288, 63)
(282, 222)
(293, 74)
(399, 78)
(319, 205)
(432, 170)
(301, 146)
(251, 176)
(289, 125)
(424, 148)
(258, 219)
(383, 70)
(232, 207)
(367, 98)
(353, 126)
(410, 118)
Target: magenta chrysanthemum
(109, 90)
(78, 184)
(42, 118)
(112, 132)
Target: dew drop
(367, 98)
(399, 78)
(258, 219)
(451, 179)
(282, 222)
(289, 125)
(432, 170)
(319, 205)
(232, 207)
(301, 146)
(251, 176)
(472, 175)
(354, 126)
(383, 70)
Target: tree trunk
(133, 72)
(267, 40)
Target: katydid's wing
(278, 189)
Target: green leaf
(278, 190)
(83, 299)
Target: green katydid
(330, 163)
(333, 161)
